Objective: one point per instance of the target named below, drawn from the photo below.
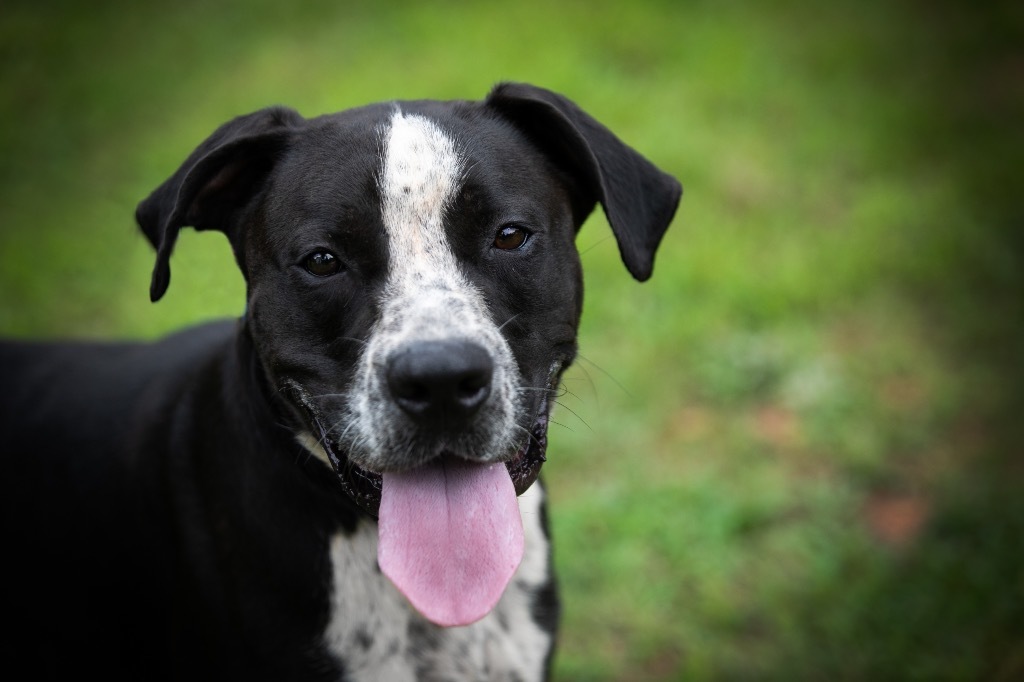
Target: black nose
(441, 383)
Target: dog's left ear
(215, 184)
(638, 198)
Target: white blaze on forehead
(419, 178)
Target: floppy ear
(638, 198)
(215, 184)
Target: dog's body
(240, 500)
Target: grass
(795, 452)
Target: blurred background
(795, 453)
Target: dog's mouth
(450, 534)
(364, 487)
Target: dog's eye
(510, 238)
(322, 264)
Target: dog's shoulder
(93, 401)
(102, 368)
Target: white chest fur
(377, 635)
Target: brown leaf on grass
(778, 426)
(903, 394)
(691, 423)
(896, 519)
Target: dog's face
(414, 295)
(413, 287)
(409, 250)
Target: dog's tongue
(450, 537)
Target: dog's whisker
(588, 379)
(573, 413)
(509, 320)
(355, 339)
(327, 432)
(322, 440)
(564, 391)
(549, 391)
(302, 456)
(529, 434)
(363, 342)
(595, 244)
(552, 421)
(606, 373)
(350, 423)
(559, 392)
(341, 438)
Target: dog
(343, 483)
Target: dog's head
(413, 286)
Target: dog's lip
(364, 486)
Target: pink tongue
(450, 537)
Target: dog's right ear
(214, 185)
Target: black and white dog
(341, 485)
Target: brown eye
(510, 238)
(322, 264)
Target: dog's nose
(442, 383)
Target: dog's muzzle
(440, 387)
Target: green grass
(795, 452)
